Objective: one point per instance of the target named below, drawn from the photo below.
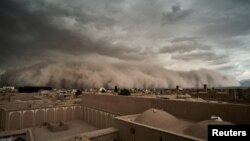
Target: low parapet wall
(27, 132)
(129, 130)
(26, 118)
(197, 111)
(107, 134)
(120, 105)
(98, 118)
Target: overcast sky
(178, 35)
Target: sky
(145, 43)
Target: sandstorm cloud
(95, 75)
(84, 44)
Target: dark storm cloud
(224, 18)
(27, 31)
(190, 49)
(176, 14)
(221, 61)
(181, 39)
(225, 68)
(183, 45)
(202, 56)
(99, 43)
(229, 27)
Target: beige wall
(239, 114)
(98, 118)
(108, 137)
(28, 119)
(15, 120)
(39, 117)
(107, 134)
(2, 118)
(99, 111)
(216, 96)
(50, 115)
(198, 111)
(77, 112)
(12, 120)
(59, 114)
(121, 105)
(26, 132)
(144, 133)
(69, 114)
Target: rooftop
(20, 101)
(155, 118)
(75, 127)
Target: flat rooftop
(20, 101)
(75, 127)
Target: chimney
(177, 87)
(205, 87)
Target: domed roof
(199, 129)
(157, 118)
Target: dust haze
(79, 45)
(123, 74)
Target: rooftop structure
(108, 116)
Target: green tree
(124, 92)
